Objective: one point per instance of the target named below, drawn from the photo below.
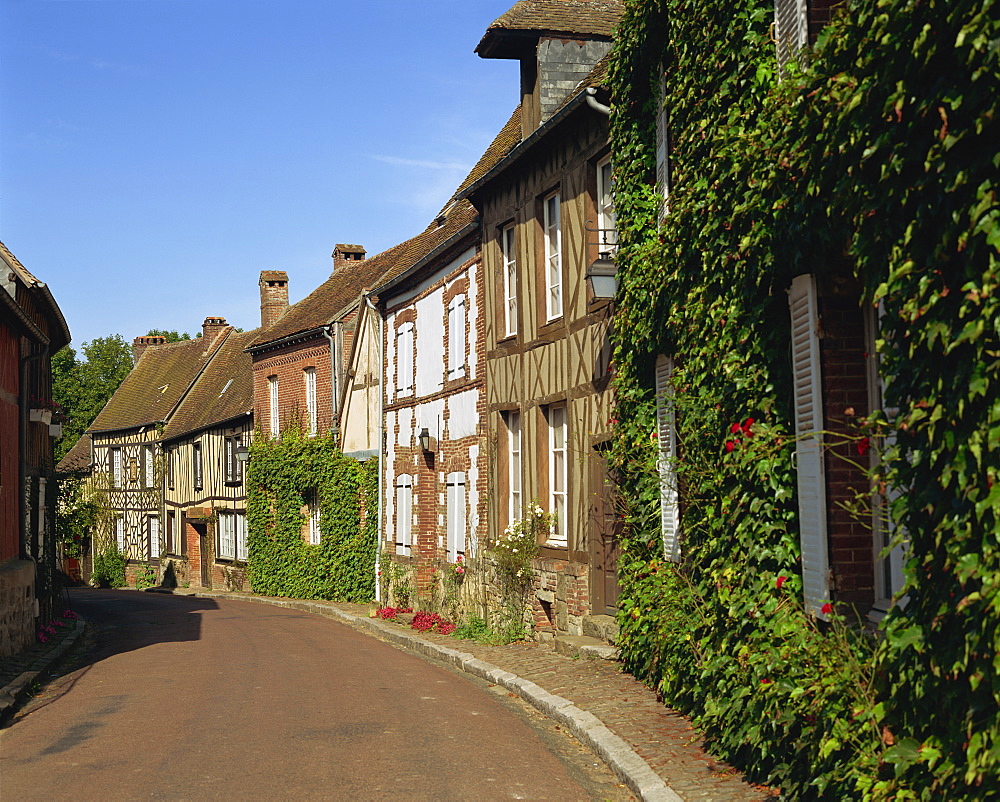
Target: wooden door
(604, 526)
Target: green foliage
(109, 567)
(283, 475)
(171, 336)
(83, 387)
(478, 629)
(145, 577)
(512, 556)
(880, 156)
(77, 512)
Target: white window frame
(552, 235)
(197, 467)
(516, 502)
(226, 536)
(170, 534)
(558, 475)
(404, 514)
(508, 250)
(606, 220)
(120, 533)
(274, 412)
(456, 516)
(115, 458)
(153, 536)
(168, 456)
(457, 337)
(803, 304)
(312, 410)
(315, 534)
(241, 536)
(405, 337)
(791, 29)
(666, 437)
(148, 467)
(234, 467)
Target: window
(553, 257)
(153, 532)
(115, 456)
(314, 534)
(272, 393)
(666, 436)
(169, 457)
(120, 533)
(232, 536)
(170, 544)
(404, 514)
(311, 410)
(663, 149)
(456, 516)
(404, 360)
(509, 279)
(148, 466)
(457, 337)
(608, 230)
(233, 466)
(808, 414)
(558, 475)
(196, 465)
(514, 462)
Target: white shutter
(791, 29)
(227, 536)
(404, 514)
(662, 148)
(404, 360)
(456, 337)
(241, 536)
(154, 537)
(120, 533)
(456, 516)
(809, 441)
(666, 435)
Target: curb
(12, 695)
(617, 754)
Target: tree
(82, 388)
(172, 336)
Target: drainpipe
(381, 456)
(593, 103)
(334, 382)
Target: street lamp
(242, 453)
(426, 442)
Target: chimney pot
(211, 327)
(346, 254)
(140, 344)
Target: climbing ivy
(283, 475)
(880, 155)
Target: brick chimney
(273, 295)
(346, 254)
(140, 344)
(211, 328)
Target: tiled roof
(590, 18)
(348, 248)
(59, 333)
(155, 385)
(224, 391)
(77, 458)
(273, 275)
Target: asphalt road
(179, 698)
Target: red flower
(765, 682)
(746, 427)
(863, 445)
(730, 445)
(780, 581)
(735, 428)
(826, 609)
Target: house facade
(32, 329)
(546, 219)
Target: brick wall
(288, 365)
(845, 396)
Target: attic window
(225, 388)
(163, 389)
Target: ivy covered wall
(881, 153)
(284, 476)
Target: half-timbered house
(126, 436)
(547, 221)
(203, 529)
(32, 329)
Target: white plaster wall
(431, 415)
(430, 344)
(463, 420)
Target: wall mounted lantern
(426, 441)
(242, 453)
(603, 278)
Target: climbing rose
(730, 445)
(863, 445)
(826, 609)
(735, 428)
(780, 581)
(746, 427)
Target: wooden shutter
(809, 441)
(456, 516)
(662, 148)
(791, 29)
(666, 435)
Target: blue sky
(156, 155)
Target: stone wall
(17, 608)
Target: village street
(184, 698)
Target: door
(604, 527)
